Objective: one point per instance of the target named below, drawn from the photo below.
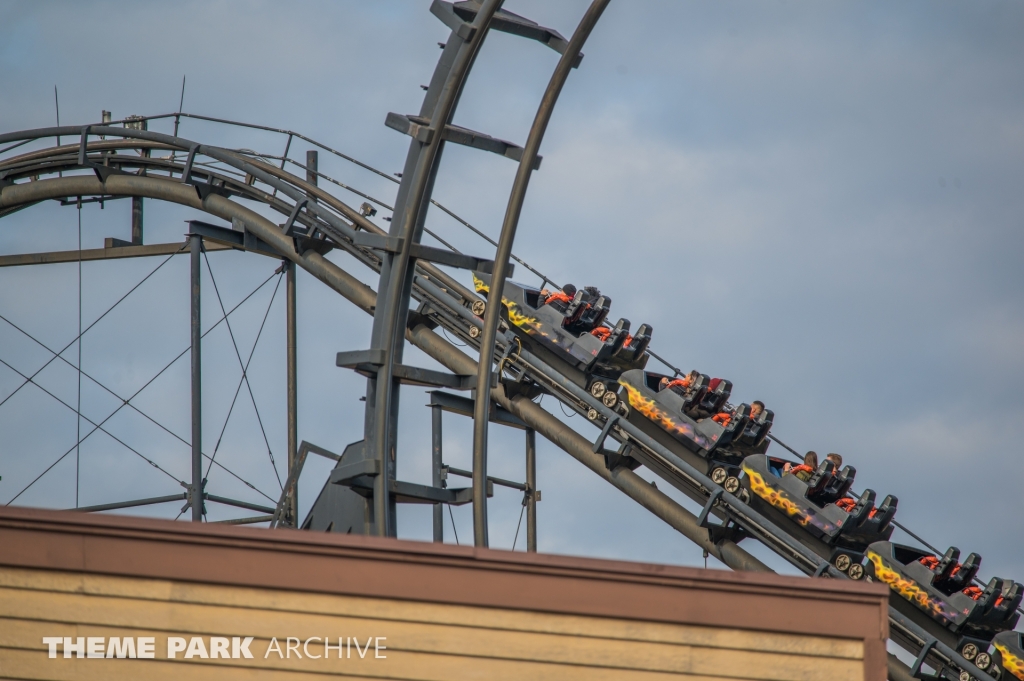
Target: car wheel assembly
(983, 661)
(610, 399)
(598, 389)
(843, 562)
(474, 331)
(592, 414)
(732, 484)
(719, 475)
(478, 308)
(856, 571)
(969, 651)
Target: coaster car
(836, 531)
(938, 593)
(680, 412)
(1009, 653)
(573, 331)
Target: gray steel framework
(451, 310)
(316, 220)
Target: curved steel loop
(395, 282)
(508, 234)
(43, 163)
(219, 206)
(230, 158)
(303, 187)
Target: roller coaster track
(107, 161)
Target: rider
(725, 418)
(805, 470)
(681, 385)
(564, 296)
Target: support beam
(196, 491)
(137, 220)
(130, 504)
(312, 168)
(531, 490)
(436, 462)
(464, 407)
(137, 205)
(246, 521)
(293, 388)
(88, 254)
(239, 504)
(291, 323)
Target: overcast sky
(819, 201)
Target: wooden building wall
(446, 612)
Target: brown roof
(439, 573)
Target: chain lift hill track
(415, 298)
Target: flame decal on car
(529, 324)
(781, 500)
(1011, 662)
(911, 591)
(649, 408)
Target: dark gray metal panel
(338, 508)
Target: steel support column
(292, 510)
(291, 324)
(501, 258)
(531, 490)
(390, 316)
(137, 220)
(436, 462)
(196, 490)
(137, 201)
